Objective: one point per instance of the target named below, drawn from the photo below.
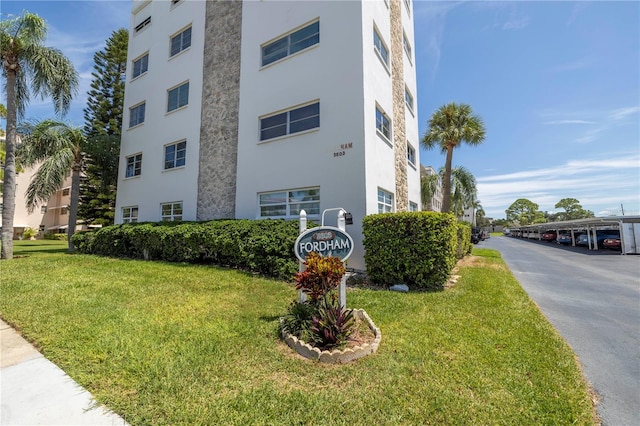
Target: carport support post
(302, 296)
(342, 290)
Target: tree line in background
(525, 212)
(53, 146)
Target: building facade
(247, 109)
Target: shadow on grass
(25, 248)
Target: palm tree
(463, 189)
(429, 183)
(58, 148)
(51, 74)
(449, 126)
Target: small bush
(417, 249)
(320, 321)
(28, 233)
(54, 236)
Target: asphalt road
(593, 299)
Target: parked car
(549, 236)
(612, 243)
(565, 238)
(602, 235)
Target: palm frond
(48, 179)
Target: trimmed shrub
(417, 249)
(261, 246)
(464, 240)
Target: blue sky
(556, 83)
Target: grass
(173, 344)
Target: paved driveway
(593, 300)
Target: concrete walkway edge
(34, 391)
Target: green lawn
(171, 344)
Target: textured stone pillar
(398, 88)
(220, 108)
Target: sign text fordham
(326, 241)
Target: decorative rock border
(337, 356)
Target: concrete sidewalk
(34, 391)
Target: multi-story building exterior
(52, 217)
(259, 109)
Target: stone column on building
(220, 111)
(398, 90)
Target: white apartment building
(259, 109)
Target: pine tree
(103, 123)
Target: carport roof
(583, 223)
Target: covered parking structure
(628, 226)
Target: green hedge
(418, 249)
(464, 240)
(262, 246)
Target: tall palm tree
(449, 126)
(58, 148)
(51, 75)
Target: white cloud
(596, 183)
(516, 23)
(622, 113)
(570, 122)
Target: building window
(43, 209)
(129, 214)
(385, 201)
(383, 124)
(64, 211)
(287, 204)
(134, 166)
(171, 211)
(180, 42)
(380, 48)
(178, 97)
(292, 121)
(136, 115)
(406, 45)
(175, 155)
(65, 192)
(408, 99)
(143, 24)
(411, 154)
(41, 228)
(413, 207)
(292, 43)
(140, 65)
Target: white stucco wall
(330, 72)
(156, 185)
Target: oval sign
(326, 241)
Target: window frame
(381, 114)
(182, 47)
(406, 45)
(379, 46)
(176, 157)
(139, 59)
(411, 152)
(410, 102)
(287, 46)
(142, 25)
(130, 218)
(290, 201)
(136, 164)
(290, 118)
(133, 113)
(413, 207)
(383, 205)
(66, 192)
(172, 216)
(177, 89)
